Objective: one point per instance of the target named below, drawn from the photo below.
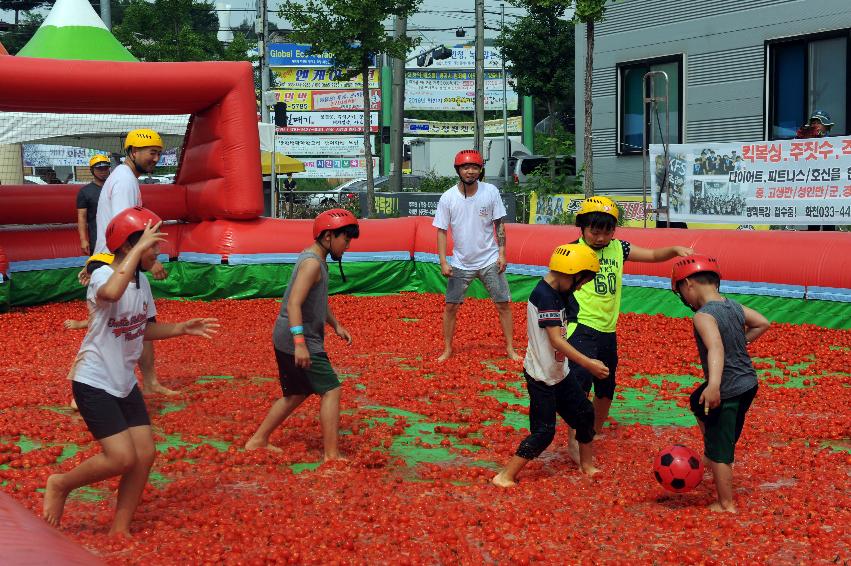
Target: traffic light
(441, 52)
(281, 114)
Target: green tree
(539, 53)
(14, 39)
(352, 32)
(18, 6)
(176, 30)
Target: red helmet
(467, 157)
(692, 264)
(333, 219)
(126, 222)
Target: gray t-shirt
(739, 374)
(314, 311)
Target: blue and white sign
(299, 55)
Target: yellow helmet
(143, 138)
(599, 204)
(573, 258)
(98, 159)
(102, 257)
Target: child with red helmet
(299, 334)
(722, 330)
(104, 384)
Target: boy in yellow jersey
(594, 309)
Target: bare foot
(54, 500)
(515, 357)
(501, 481)
(75, 324)
(718, 508)
(120, 533)
(73, 404)
(257, 443)
(334, 458)
(445, 355)
(589, 470)
(157, 388)
(573, 450)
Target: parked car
(350, 189)
(157, 179)
(34, 180)
(526, 164)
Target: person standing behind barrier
(474, 211)
(818, 126)
(143, 149)
(87, 203)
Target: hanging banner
(336, 168)
(455, 90)
(327, 122)
(45, 155)
(463, 57)
(784, 182)
(327, 100)
(431, 128)
(313, 78)
(320, 145)
(299, 55)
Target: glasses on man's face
(102, 167)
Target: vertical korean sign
(776, 182)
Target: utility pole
(506, 145)
(397, 120)
(480, 76)
(262, 29)
(106, 13)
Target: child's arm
(124, 273)
(755, 324)
(597, 368)
(203, 327)
(707, 328)
(339, 329)
(308, 275)
(655, 255)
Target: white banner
(432, 128)
(463, 57)
(336, 168)
(455, 90)
(45, 155)
(320, 145)
(327, 122)
(327, 100)
(776, 182)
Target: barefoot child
(551, 390)
(104, 385)
(299, 334)
(722, 329)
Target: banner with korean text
(433, 128)
(320, 145)
(455, 90)
(327, 122)
(336, 168)
(327, 100)
(784, 182)
(294, 78)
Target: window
(632, 128)
(806, 74)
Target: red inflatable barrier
(27, 540)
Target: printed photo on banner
(318, 79)
(784, 182)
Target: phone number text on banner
(777, 182)
(290, 78)
(327, 122)
(327, 100)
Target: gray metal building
(740, 70)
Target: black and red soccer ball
(678, 468)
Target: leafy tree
(18, 6)
(352, 31)
(14, 39)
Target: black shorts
(596, 345)
(319, 378)
(723, 425)
(107, 414)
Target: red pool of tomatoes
(422, 441)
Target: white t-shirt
(546, 307)
(120, 191)
(471, 221)
(113, 343)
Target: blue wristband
(297, 330)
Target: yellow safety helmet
(98, 159)
(598, 204)
(102, 257)
(574, 258)
(143, 138)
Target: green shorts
(722, 425)
(319, 378)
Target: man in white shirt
(143, 149)
(474, 212)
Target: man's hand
(445, 268)
(85, 248)
(158, 271)
(341, 331)
(203, 327)
(302, 356)
(598, 369)
(711, 397)
(501, 262)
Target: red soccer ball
(678, 468)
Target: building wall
(723, 48)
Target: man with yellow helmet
(87, 202)
(551, 390)
(594, 308)
(142, 149)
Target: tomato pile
(423, 440)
